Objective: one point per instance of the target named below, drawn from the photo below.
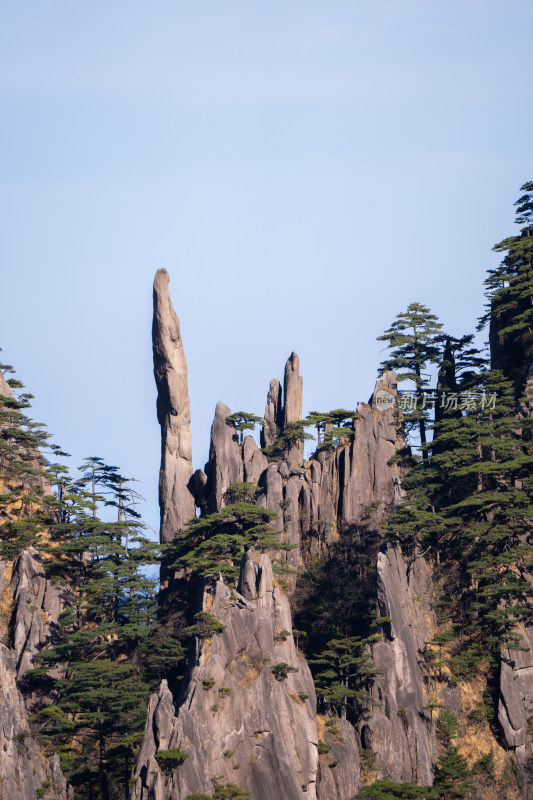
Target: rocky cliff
(233, 717)
(29, 609)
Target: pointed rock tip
(293, 358)
(161, 279)
(222, 409)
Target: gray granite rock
(176, 500)
(225, 465)
(36, 605)
(293, 406)
(273, 414)
(24, 768)
(249, 728)
(404, 743)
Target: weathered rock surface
(515, 707)
(5, 388)
(293, 406)
(176, 500)
(339, 772)
(38, 604)
(24, 768)
(273, 414)
(32, 606)
(403, 743)
(225, 465)
(249, 728)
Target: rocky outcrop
(515, 707)
(24, 768)
(176, 500)
(30, 610)
(235, 717)
(273, 419)
(293, 407)
(339, 771)
(5, 388)
(399, 734)
(38, 603)
(225, 465)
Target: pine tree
(243, 421)
(213, 545)
(391, 790)
(346, 672)
(414, 340)
(453, 779)
(95, 671)
(25, 507)
(510, 295)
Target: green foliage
(453, 779)
(292, 433)
(281, 670)
(323, 748)
(199, 796)
(332, 427)
(447, 726)
(345, 672)
(25, 509)
(169, 760)
(486, 766)
(208, 683)
(242, 492)
(95, 670)
(414, 341)
(471, 502)
(206, 625)
(509, 291)
(243, 421)
(213, 545)
(390, 790)
(333, 605)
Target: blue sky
(303, 170)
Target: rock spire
(176, 500)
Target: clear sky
(303, 170)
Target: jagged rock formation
(256, 731)
(270, 735)
(176, 500)
(273, 414)
(24, 769)
(30, 609)
(38, 603)
(293, 406)
(399, 735)
(250, 728)
(225, 465)
(515, 706)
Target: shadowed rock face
(24, 768)
(293, 406)
(250, 728)
(173, 413)
(225, 465)
(273, 414)
(404, 744)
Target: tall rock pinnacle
(293, 405)
(176, 501)
(292, 390)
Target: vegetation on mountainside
(469, 508)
